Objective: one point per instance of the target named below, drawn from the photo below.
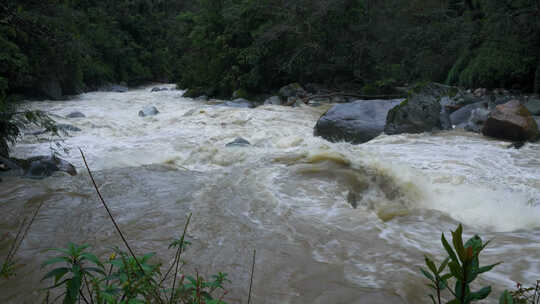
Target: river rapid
(289, 195)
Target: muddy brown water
(289, 195)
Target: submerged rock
(148, 111)
(118, 88)
(75, 114)
(67, 128)
(157, 89)
(36, 167)
(356, 122)
(43, 166)
(511, 121)
(238, 103)
(238, 142)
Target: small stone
(238, 142)
(75, 114)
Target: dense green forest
(218, 46)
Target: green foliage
(124, 279)
(522, 295)
(464, 265)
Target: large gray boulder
(421, 111)
(356, 122)
(148, 111)
(511, 121)
(460, 118)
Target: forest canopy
(218, 46)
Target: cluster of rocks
(289, 95)
(433, 107)
(37, 167)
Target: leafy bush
(124, 279)
(463, 263)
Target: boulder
(36, 167)
(110, 87)
(477, 120)
(51, 88)
(238, 142)
(75, 114)
(460, 118)
(158, 89)
(238, 103)
(148, 111)
(511, 121)
(274, 100)
(533, 105)
(419, 113)
(292, 90)
(202, 98)
(356, 122)
(43, 166)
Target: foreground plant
(464, 266)
(125, 279)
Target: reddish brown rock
(511, 121)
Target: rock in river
(75, 114)
(148, 111)
(238, 142)
(511, 121)
(356, 122)
(421, 112)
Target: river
(289, 196)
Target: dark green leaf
(57, 273)
(443, 265)
(56, 260)
(427, 274)
(448, 248)
(487, 268)
(430, 265)
(479, 295)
